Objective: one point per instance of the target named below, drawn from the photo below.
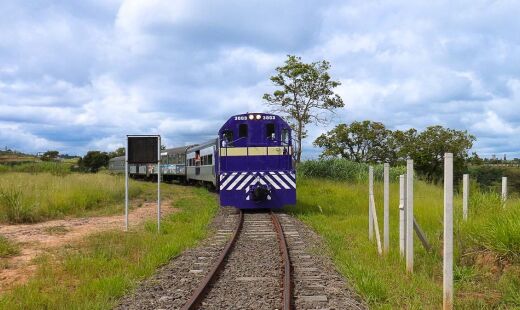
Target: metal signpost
(143, 149)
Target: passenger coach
(255, 167)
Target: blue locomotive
(249, 163)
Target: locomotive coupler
(259, 192)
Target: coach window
(269, 130)
(210, 159)
(242, 131)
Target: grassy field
(92, 274)
(7, 248)
(487, 271)
(26, 198)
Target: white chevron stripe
(288, 179)
(244, 182)
(272, 182)
(222, 176)
(277, 178)
(223, 185)
(236, 181)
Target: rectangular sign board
(143, 150)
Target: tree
(305, 94)
(50, 155)
(94, 160)
(430, 145)
(118, 152)
(364, 141)
(371, 142)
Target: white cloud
(82, 75)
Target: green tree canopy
(50, 155)
(118, 152)
(372, 142)
(304, 94)
(364, 141)
(428, 148)
(94, 160)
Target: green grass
(342, 169)
(487, 271)
(94, 273)
(55, 168)
(29, 198)
(7, 247)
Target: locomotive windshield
(270, 133)
(242, 130)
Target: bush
(342, 169)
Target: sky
(80, 75)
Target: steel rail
(287, 283)
(201, 290)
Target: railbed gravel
(316, 282)
(251, 278)
(172, 284)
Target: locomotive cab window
(269, 131)
(227, 136)
(285, 136)
(242, 131)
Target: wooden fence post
(448, 232)
(386, 211)
(465, 194)
(402, 205)
(409, 215)
(370, 194)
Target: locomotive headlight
(258, 116)
(251, 116)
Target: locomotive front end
(255, 167)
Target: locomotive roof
(256, 117)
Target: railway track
(251, 261)
(215, 289)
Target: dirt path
(35, 239)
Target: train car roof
(117, 158)
(177, 150)
(202, 145)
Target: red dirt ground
(35, 239)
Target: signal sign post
(142, 149)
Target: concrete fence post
(370, 195)
(402, 205)
(386, 211)
(465, 194)
(504, 189)
(448, 232)
(409, 215)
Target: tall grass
(487, 269)
(7, 247)
(55, 168)
(94, 273)
(26, 198)
(342, 169)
